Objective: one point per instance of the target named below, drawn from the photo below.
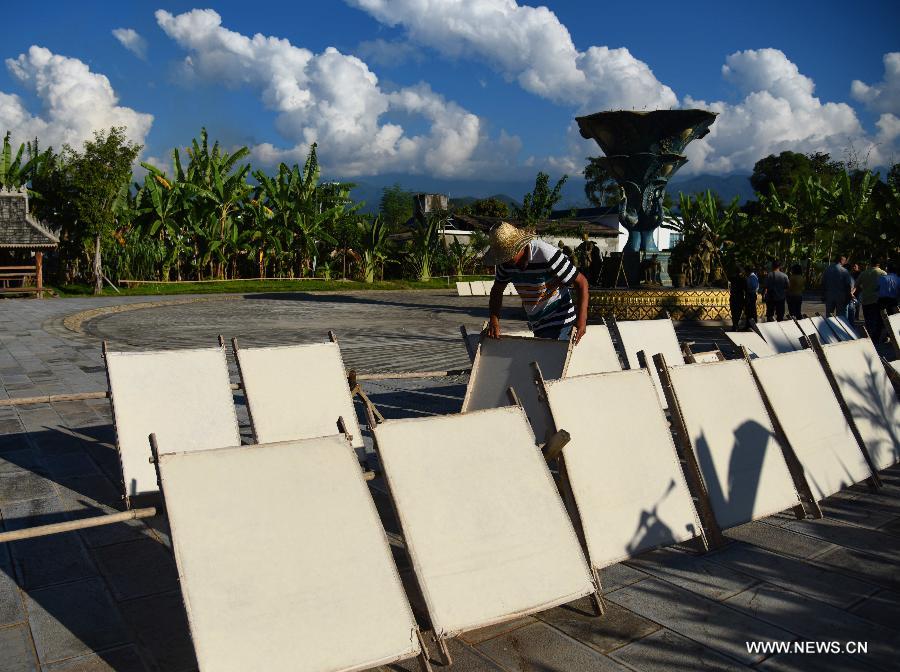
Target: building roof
(18, 230)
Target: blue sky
(456, 90)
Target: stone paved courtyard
(108, 598)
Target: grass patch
(256, 286)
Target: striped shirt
(543, 286)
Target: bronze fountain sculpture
(643, 151)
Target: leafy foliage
(538, 204)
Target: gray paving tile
(21, 461)
(883, 608)
(491, 631)
(22, 486)
(137, 568)
(16, 651)
(74, 619)
(696, 573)
(850, 511)
(123, 659)
(465, 659)
(618, 576)
(160, 624)
(707, 622)
(70, 464)
(815, 621)
(540, 647)
(778, 539)
(874, 543)
(800, 576)
(667, 651)
(615, 628)
(45, 560)
(11, 610)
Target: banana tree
(160, 203)
(259, 237)
(13, 172)
(375, 247)
(462, 256)
(424, 244)
(850, 208)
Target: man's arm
(494, 306)
(582, 297)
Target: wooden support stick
(39, 271)
(446, 660)
(795, 468)
(555, 445)
(465, 336)
(816, 345)
(711, 533)
(53, 398)
(892, 336)
(424, 663)
(388, 375)
(72, 525)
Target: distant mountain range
(369, 189)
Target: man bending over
(543, 277)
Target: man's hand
(493, 330)
(580, 329)
(582, 296)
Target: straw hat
(506, 241)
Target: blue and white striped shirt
(543, 286)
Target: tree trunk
(98, 269)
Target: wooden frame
(422, 655)
(801, 484)
(249, 399)
(681, 426)
(872, 478)
(442, 640)
(893, 334)
(568, 493)
(690, 357)
(473, 378)
(712, 533)
(129, 499)
(816, 345)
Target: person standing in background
(794, 295)
(737, 295)
(867, 293)
(752, 288)
(776, 290)
(853, 308)
(836, 287)
(888, 287)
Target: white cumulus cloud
(885, 95)
(531, 46)
(75, 102)
(132, 41)
(778, 109)
(779, 112)
(336, 100)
